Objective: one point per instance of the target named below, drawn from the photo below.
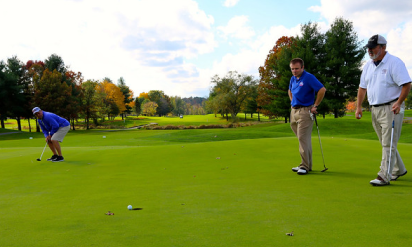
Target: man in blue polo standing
(304, 101)
(54, 129)
(387, 83)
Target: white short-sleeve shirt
(384, 82)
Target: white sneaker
(378, 182)
(302, 171)
(295, 169)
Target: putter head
(324, 170)
(38, 159)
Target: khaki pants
(382, 118)
(302, 125)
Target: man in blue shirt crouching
(54, 129)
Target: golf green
(217, 191)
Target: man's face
(39, 114)
(297, 69)
(375, 53)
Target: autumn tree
(51, 94)
(150, 108)
(114, 99)
(273, 99)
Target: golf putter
(321, 149)
(390, 150)
(39, 159)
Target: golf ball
(104, 136)
(130, 207)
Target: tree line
(334, 57)
(52, 86)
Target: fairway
(199, 188)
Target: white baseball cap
(35, 110)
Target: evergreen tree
(343, 60)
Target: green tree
(164, 105)
(51, 94)
(14, 84)
(250, 105)
(138, 106)
(178, 105)
(231, 91)
(91, 102)
(55, 62)
(128, 95)
(343, 57)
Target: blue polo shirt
(50, 123)
(304, 89)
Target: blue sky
(178, 45)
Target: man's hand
(396, 108)
(358, 113)
(313, 110)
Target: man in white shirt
(387, 82)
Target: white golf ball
(104, 136)
(130, 207)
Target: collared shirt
(384, 82)
(50, 123)
(304, 89)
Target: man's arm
(396, 108)
(319, 98)
(290, 95)
(361, 97)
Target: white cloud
(388, 18)
(249, 60)
(369, 16)
(399, 44)
(230, 3)
(145, 42)
(237, 28)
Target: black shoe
(395, 177)
(53, 157)
(58, 159)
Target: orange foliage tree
(114, 98)
(269, 87)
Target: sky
(177, 46)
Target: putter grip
(393, 124)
